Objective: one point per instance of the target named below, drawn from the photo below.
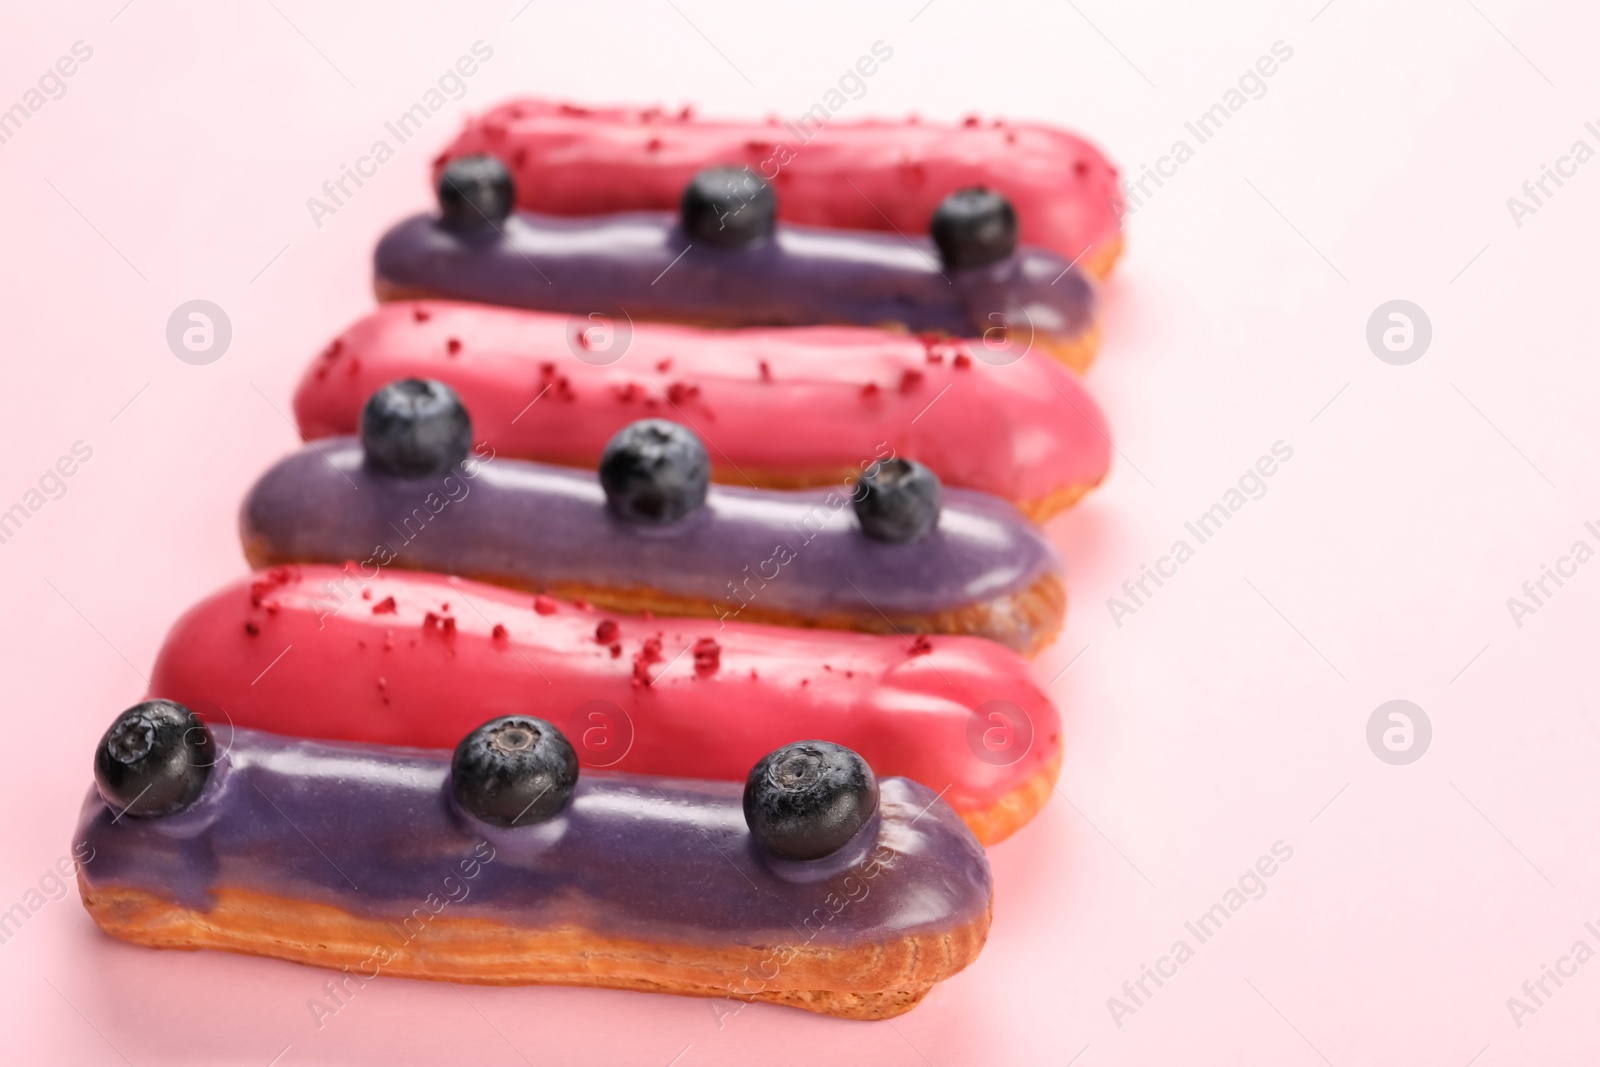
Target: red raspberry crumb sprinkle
(449, 626)
(544, 605)
(606, 632)
(962, 361)
(430, 621)
(499, 633)
(582, 604)
(616, 650)
(653, 144)
(386, 606)
(453, 346)
(366, 594)
(870, 389)
(331, 353)
(909, 380)
(664, 365)
(766, 372)
(921, 646)
(678, 392)
(251, 628)
(970, 120)
(707, 656)
(421, 314)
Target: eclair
(723, 260)
(889, 552)
(783, 408)
(813, 883)
(403, 658)
(871, 175)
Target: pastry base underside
(870, 981)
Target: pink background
(1227, 714)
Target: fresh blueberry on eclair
(898, 501)
(154, 760)
(514, 771)
(974, 228)
(415, 427)
(654, 472)
(475, 193)
(729, 207)
(807, 800)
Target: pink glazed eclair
(780, 408)
(414, 659)
(870, 175)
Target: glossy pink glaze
(871, 175)
(422, 659)
(781, 402)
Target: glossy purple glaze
(804, 275)
(541, 526)
(372, 830)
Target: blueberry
(654, 472)
(974, 228)
(413, 428)
(898, 501)
(514, 771)
(475, 193)
(154, 760)
(808, 799)
(729, 207)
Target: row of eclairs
(661, 568)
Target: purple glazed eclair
(891, 553)
(813, 884)
(725, 261)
